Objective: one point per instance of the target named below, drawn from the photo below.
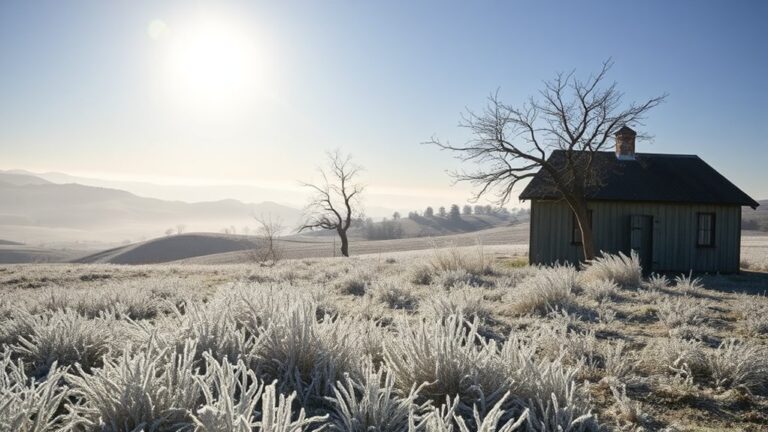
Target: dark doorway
(641, 239)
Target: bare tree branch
(512, 144)
(335, 201)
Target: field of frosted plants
(446, 340)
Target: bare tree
(335, 199)
(512, 143)
(180, 228)
(268, 233)
(169, 232)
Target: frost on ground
(449, 340)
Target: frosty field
(446, 340)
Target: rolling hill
(171, 248)
(206, 248)
(35, 211)
(17, 254)
(756, 220)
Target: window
(575, 230)
(705, 230)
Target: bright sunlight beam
(211, 61)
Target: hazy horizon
(240, 93)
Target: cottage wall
(674, 234)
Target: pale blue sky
(84, 89)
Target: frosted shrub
(605, 313)
(231, 394)
(394, 296)
(469, 260)
(754, 314)
(25, 404)
(420, 275)
(624, 270)
(735, 364)
(374, 403)
(467, 302)
(617, 362)
(66, 338)
(570, 414)
(547, 290)
(355, 283)
(600, 289)
(277, 413)
(442, 420)
(688, 284)
(213, 330)
(629, 411)
(253, 307)
(547, 388)
(449, 355)
(681, 311)
(154, 390)
(675, 355)
(657, 282)
(305, 354)
(456, 278)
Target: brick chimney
(625, 143)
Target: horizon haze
(221, 94)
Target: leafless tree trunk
(268, 233)
(511, 144)
(335, 199)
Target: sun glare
(209, 60)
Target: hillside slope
(171, 248)
(755, 219)
(17, 254)
(36, 211)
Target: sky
(254, 93)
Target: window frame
(712, 230)
(576, 240)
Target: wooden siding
(674, 234)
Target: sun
(209, 59)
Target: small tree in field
(429, 212)
(268, 233)
(511, 143)
(335, 200)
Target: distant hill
(171, 248)
(36, 211)
(204, 248)
(423, 226)
(755, 220)
(17, 253)
(10, 243)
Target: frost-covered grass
(451, 340)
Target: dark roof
(625, 130)
(649, 177)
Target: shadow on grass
(746, 282)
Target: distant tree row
(754, 224)
(384, 230)
(467, 210)
(178, 230)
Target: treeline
(389, 229)
(455, 211)
(384, 230)
(754, 224)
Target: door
(641, 239)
